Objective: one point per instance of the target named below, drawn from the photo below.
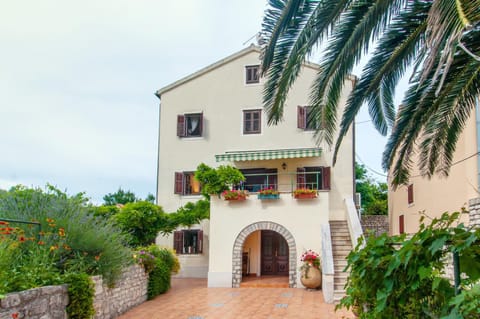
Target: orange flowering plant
(268, 191)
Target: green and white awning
(262, 155)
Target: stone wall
(50, 302)
(47, 302)
(130, 290)
(376, 223)
(474, 215)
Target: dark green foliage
(80, 293)
(217, 180)
(395, 277)
(374, 194)
(165, 263)
(119, 197)
(142, 220)
(104, 211)
(159, 279)
(191, 213)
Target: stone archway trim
(238, 247)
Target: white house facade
(215, 116)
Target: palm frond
(363, 22)
(395, 52)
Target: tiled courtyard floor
(191, 299)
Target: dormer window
(252, 74)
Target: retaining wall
(50, 302)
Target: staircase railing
(354, 226)
(327, 264)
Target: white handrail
(354, 225)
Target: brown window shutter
(410, 193)
(200, 242)
(178, 241)
(401, 224)
(301, 117)
(326, 178)
(178, 183)
(181, 125)
(301, 178)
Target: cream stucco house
(215, 116)
(439, 194)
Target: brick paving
(191, 299)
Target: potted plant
(217, 180)
(268, 193)
(235, 194)
(301, 193)
(311, 276)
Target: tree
(439, 38)
(119, 197)
(124, 197)
(374, 194)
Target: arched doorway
(270, 226)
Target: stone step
(341, 243)
(338, 286)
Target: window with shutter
(190, 125)
(325, 177)
(301, 118)
(178, 188)
(410, 193)
(188, 241)
(178, 242)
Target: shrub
(159, 263)
(395, 277)
(95, 246)
(80, 292)
(142, 220)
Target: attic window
(252, 74)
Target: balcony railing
(282, 182)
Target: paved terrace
(191, 299)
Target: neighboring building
(439, 194)
(215, 116)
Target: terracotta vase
(311, 278)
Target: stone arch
(238, 246)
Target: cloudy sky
(77, 78)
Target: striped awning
(268, 154)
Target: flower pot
(236, 199)
(268, 196)
(306, 196)
(311, 277)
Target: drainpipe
(477, 122)
(158, 146)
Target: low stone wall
(50, 302)
(47, 302)
(376, 223)
(130, 290)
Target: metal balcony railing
(283, 182)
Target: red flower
(15, 315)
(41, 243)
(3, 223)
(22, 239)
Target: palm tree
(439, 38)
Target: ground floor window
(188, 241)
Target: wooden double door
(274, 254)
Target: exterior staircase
(341, 247)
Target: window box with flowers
(268, 193)
(302, 193)
(311, 276)
(235, 195)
